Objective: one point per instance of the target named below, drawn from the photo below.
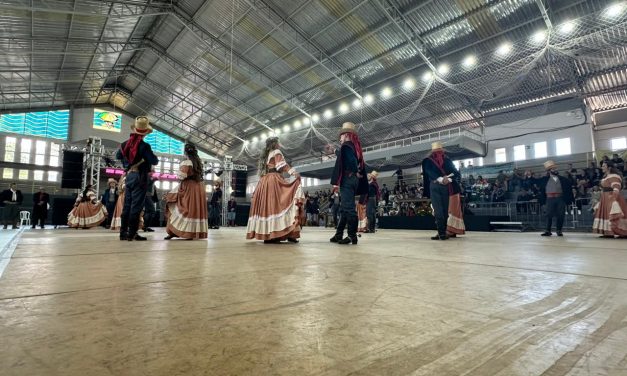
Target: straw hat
(549, 165)
(374, 174)
(141, 126)
(348, 127)
(437, 146)
(217, 181)
(111, 180)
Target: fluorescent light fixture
(504, 49)
(357, 103)
(469, 61)
(368, 99)
(567, 27)
(443, 69)
(386, 92)
(428, 76)
(286, 128)
(409, 83)
(344, 108)
(614, 10)
(539, 37)
(315, 118)
(328, 114)
(255, 139)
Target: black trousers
(149, 211)
(40, 213)
(371, 211)
(555, 207)
(11, 214)
(348, 210)
(110, 209)
(439, 201)
(134, 200)
(214, 214)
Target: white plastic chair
(24, 218)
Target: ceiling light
(328, 114)
(539, 37)
(246, 142)
(567, 27)
(297, 124)
(255, 139)
(469, 61)
(386, 92)
(277, 131)
(428, 76)
(504, 49)
(286, 128)
(614, 10)
(315, 118)
(357, 103)
(344, 108)
(368, 99)
(409, 84)
(263, 136)
(443, 69)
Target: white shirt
(14, 198)
(555, 178)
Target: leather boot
(352, 231)
(339, 232)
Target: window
(175, 184)
(25, 149)
(40, 153)
(23, 175)
(167, 166)
(456, 164)
(468, 162)
(208, 188)
(618, 143)
(38, 175)
(480, 162)
(309, 182)
(54, 154)
(500, 155)
(562, 146)
(519, 153)
(7, 173)
(166, 185)
(539, 150)
(53, 175)
(316, 181)
(10, 144)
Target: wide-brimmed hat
(217, 181)
(374, 174)
(549, 165)
(111, 180)
(348, 127)
(437, 146)
(141, 126)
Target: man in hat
(12, 199)
(439, 173)
(109, 199)
(151, 200)
(374, 195)
(349, 174)
(215, 205)
(138, 159)
(557, 193)
(41, 200)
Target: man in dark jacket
(12, 199)
(215, 205)
(40, 207)
(110, 199)
(138, 159)
(557, 193)
(349, 174)
(439, 174)
(150, 202)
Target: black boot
(352, 224)
(339, 232)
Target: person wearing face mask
(556, 191)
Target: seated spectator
(619, 163)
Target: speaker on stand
(240, 178)
(72, 175)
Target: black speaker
(72, 176)
(61, 207)
(240, 178)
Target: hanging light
(409, 83)
(539, 37)
(277, 131)
(368, 99)
(328, 114)
(614, 10)
(504, 49)
(264, 136)
(315, 118)
(297, 124)
(286, 128)
(386, 92)
(357, 103)
(567, 27)
(469, 61)
(255, 139)
(306, 121)
(343, 108)
(428, 76)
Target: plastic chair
(24, 218)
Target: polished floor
(80, 302)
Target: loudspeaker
(72, 175)
(61, 207)
(240, 178)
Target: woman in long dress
(116, 219)
(88, 212)
(455, 222)
(362, 217)
(186, 205)
(276, 210)
(610, 217)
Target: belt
(553, 195)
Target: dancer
(41, 200)
(276, 209)
(610, 217)
(185, 208)
(110, 199)
(374, 195)
(438, 173)
(362, 216)
(557, 191)
(455, 222)
(88, 212)
(215, 205)
(149, 204)
(138, 159)
(349, 174)
(116, 218)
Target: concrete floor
(80, 302)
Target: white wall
(81, 127)
(603, 134)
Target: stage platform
(80, 302)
